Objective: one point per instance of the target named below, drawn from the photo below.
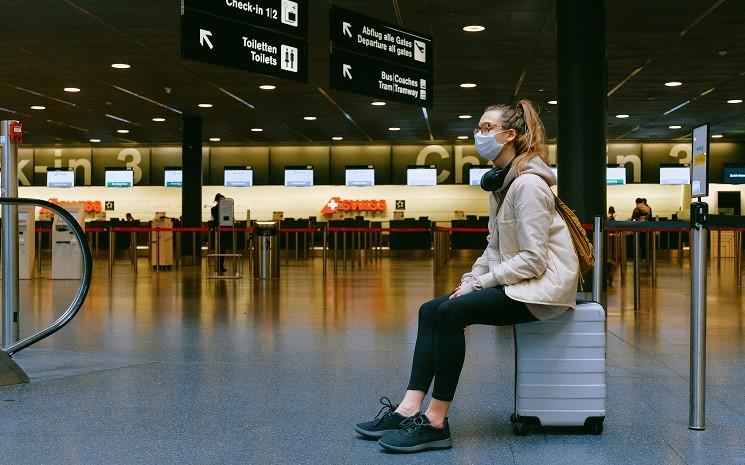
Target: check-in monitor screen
(238, 177)
(359, 176)
(424, 176)
(119, 178)
(475, 173)
(675, 175)
(615, 175)
(299, 176)
(60, 178)
(172, 177)
(734, 174)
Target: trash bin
(266, 250)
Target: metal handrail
(85, 281)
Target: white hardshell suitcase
(560, 370)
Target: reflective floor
(173, 368)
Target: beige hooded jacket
(529, 250)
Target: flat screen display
(172, 177)
(615, 175)
(421, 176)
(298, 176)
(475, 173)
(734, 174)
(60, 178)
(675, 174)
(119, 177)
(238, 176)
(359, 176)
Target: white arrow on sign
(345, 28)
(204, 36)
(346, 71)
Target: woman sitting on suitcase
(528, 272)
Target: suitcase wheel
(513, 418)
(595, 427)
(520, 428)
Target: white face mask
(487, 146)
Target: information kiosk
(26, 241)
(161, 242)
(67, 262)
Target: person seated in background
(129, 217)
(611, 213)
(641, 212)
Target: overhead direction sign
(287, 16)
(368, 36)
(213, 40)
(388, 81)
(379, 59)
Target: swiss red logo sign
(336, 204)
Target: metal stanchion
(697, 411)
(336, 247)
(654, 257)
(624, 259)
(9, 148)
(637, 249)
(719, 249)
(325, 249)
(738, 258)
(157, 250)
(112, 251)
(344, 250)
(597, 272)
(38, 251)
(133, 249)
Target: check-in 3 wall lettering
(642, 161)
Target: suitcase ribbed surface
(560, 367)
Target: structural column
(582, 84)
(191, 188)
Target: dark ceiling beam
(538, 43)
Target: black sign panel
(359, 74)
(368, 36)
(288, 16)
(213, 40)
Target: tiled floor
(176, 369)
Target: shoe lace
(387, 404)
(413, 423)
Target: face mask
(487, 146)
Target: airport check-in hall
(353, 232)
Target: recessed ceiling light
(674, 126)
(120, 66)
(473, 28)
(158, 120)
(337, 138)
(673, 83)
(717, 136)
(214, 139)
(309, 118)
(204, 105)
(553, 102)
(38, 107)
(462, 137)
(71, 89)
(256, 129)
(394, 129)
(123, 131)
(95, 140)
(267, 87)
(468, 85)
(464, 116)
(622, 116)
(378, 103)
(734, 100)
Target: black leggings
(440, 340)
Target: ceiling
(52, 44)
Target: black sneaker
(417, 435)
(377, 427)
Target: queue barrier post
(697, 389)
(112, 251)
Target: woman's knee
(447, 314)
(428, 311)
